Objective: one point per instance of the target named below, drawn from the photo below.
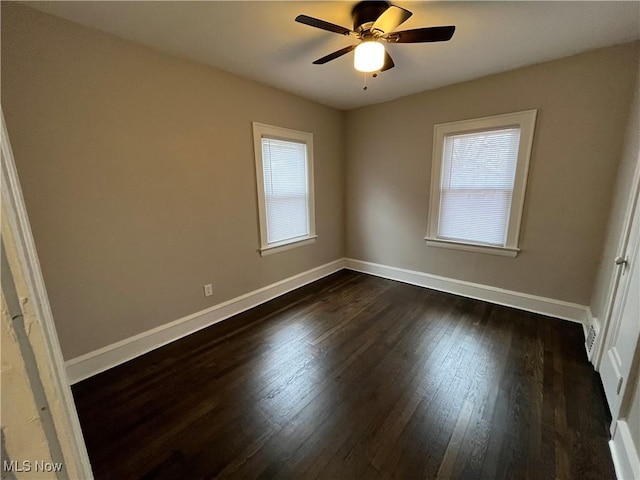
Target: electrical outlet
(208, 290)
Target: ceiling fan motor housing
(366, 13)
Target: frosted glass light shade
(369, 57)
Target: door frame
(611, 359)
(604, 339)
(29, 285)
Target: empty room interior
(320, 240)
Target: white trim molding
(525, 122)
(522, 301)
(104, 358)
(624, 453)
(262, 132)
(288, 245)
(471, 247)
(614, 283)
(112, 355)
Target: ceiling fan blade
(421, 35)
(391, 19)
(388, 62)
(315, 22)
(334, 55)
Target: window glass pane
(478, 172)
(286, 189)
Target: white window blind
(284, 166)
(477, 181)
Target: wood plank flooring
(355, 377)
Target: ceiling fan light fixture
(369, 56)
(375, 22)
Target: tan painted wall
(138, 175)
(583, 104)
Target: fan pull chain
(374, 75)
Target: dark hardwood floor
(355, 377)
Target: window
(284, 171)
(478, 182)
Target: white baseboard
(522, 301)
(109, 356)
(624, 453)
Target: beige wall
(583, 104)
(138, 175)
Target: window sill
(287, 245)
(471, 247)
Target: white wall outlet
(208, 290)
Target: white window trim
(260, 131)
(525, 120)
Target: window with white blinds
(479, 179)
(478, 170)
(284, 166)
(285, 188)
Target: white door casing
(623, 333)
(39, 341)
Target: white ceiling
(261, 41)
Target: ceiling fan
(374, 22)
